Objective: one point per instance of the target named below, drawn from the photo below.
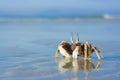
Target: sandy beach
(27, 50)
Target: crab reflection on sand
(77, 65)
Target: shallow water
(27, 50)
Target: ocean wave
(59, 19)
(107, 16)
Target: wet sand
(27, 50)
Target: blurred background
(58, 8)
(30, 31)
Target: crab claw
(75, 52)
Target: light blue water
(27, 50)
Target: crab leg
(85, 51)
(89, 49)
(57, 53)
(99, 53)
(96, 51)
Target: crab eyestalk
(71, 37)
(77, 38)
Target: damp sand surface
(27, 50)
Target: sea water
(27, 49)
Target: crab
(77, 48)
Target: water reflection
(77, 65)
